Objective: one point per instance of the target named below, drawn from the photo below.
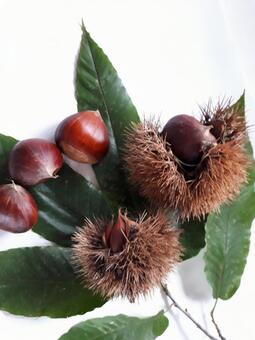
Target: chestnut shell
(83, 137)
(188, 138)
(33, 161)
(18, 210)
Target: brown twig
(185, 312)
(214, 322)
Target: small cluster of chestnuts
(82, 137)
(186, 167)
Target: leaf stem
(185, 312)
(214, 322)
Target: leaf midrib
(225, 252)
(113, 331)
(100, 85)
(56, 283)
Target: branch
(214, 322)
(185, 312)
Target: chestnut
(33, 161)
(188, 138)
(83, 137)
(18, 210)
(116, 233)
(118, 236)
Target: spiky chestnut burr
(196, 190)
(128, 257)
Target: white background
(171, 56)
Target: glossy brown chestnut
(33, 161)
(18, 210)
(188, 138)
(83, 137)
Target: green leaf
(228, 235)
(40, 281)
(192, 237)
(6, 144)
(228, 240)
(99, 87)
(120, 327)
(239, 105)
(64, 203)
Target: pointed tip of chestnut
(83, 137)
(18, 210)
(188, 138)
(33, 161)
(115, 233)
(117, 238)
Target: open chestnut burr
(190, 166)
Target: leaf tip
(83, 25)
(83, 28)
(160, 323)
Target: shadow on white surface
(193, 279)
